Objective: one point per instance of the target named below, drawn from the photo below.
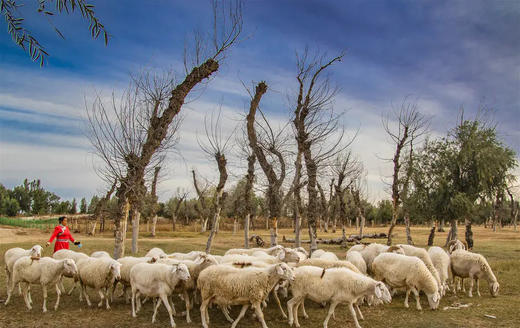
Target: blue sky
(446, 54)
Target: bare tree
(216, 146)
(175, 212)
(260, 147)
(202, 208)
(100, 208)
(347, 170)
(411, 125)
(246, 151)
(315, 123)
(154, 198)
(200, 63)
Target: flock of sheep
(248, 277)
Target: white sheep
(44, 271)
(466, 264)
(100, 274)
(356, 258)
(13, 254)
(156, 280)
(127, 263)
(327, 264)
(425, 257)
(441, 262)
(274, 251)
(410, 272)
(335, 285)
(68, 254)
(190, 285)
(156, 252)
(192, 256)
(225, 285)
(369, 252)
(100, 254)
(240, 258)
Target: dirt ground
(502, 249)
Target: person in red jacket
(62, 235)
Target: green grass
(34, 223)
(502, 249)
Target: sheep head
(115, 270)
(434, 299)
(493, 288)
(70, 267)
(36, 251)
(284, 271)
(382, 292)
(181, 271)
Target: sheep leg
(331, 311)
(259, 314)
(470, 292)
(359, 312)
(58, 293)
(241, 315)
(279, 305)
(478, 286)
(138, 301)
(225, 311)
(107, 294)
(28, 292)
(295, 312)
(25, 297)
(10, 289)
(102, 296)
(164, 299)
(353, 314)
(157, 304)
(204, 313)
(60, 283)
(86, 295)
(187, 302)
(292, 310)
(44, 291)
(305, 315)
(8, 282)
(417, 299)
(406, 298)
(133, 302)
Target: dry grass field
(502, 249)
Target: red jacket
(62, 233)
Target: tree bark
(431, 236)
(452, 234)
(274, 201)
(246, 230)
(408, 231)
(469, 235)
(154, 200)
(154, 224)
(136, 217)
(221, 163)
(120, 228)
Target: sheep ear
(377, 291)
(281, 255)
(279, 269)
